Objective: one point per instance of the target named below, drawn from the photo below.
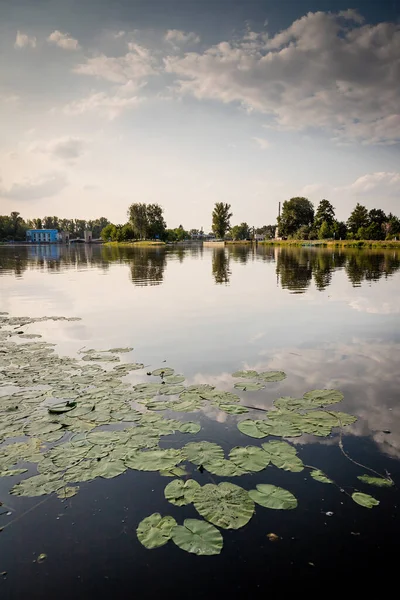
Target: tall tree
(221, 216)
(241, 232)
(325, 213)
(358, 219)
(155, 220)
(137, 214)
(295, 213)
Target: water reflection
(296, 268)
(220, 265)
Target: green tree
(295, 213)
(108, 233)
(325, 213)
(268, 231)
(221, 217)
(137, 214)
(155, 220)
(358, 218)
(339, 230)
(325, 231)
(241, 232)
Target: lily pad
(254, 429)
(377, 481)
(200, 453)
(225, 505)
(155, 531)
(153, 460)
(320, 476)
(180, 492)
(223, 468)
(249, 374)
(272, 376)
(189, 427)
(365, 500)
(233, 409)
(174, 379)
(283, 456)
(163, 372)
(249, 387)
(198, 537)
(274, 497)
(249, 458)
(323, 397)
(67, 492)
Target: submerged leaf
(364, 500)
(155, 531)
(225, 505)
(377, 481)
(274, 497)
(198, 537)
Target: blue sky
(190, 102)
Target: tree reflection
(220, 265)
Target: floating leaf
(174, 379)
(249, 387)
(283, 456)
(274, 497)
(199, 453)
(272, 376)
(61, 408)
(189, 427)
(153, 460)
(254, 429)
(180, 492)
(67, 492)
(198, 537)
(163, 372)
(223, 468)
(200, 388)
(377, 481)
(245, 374)
(12, 472)
(323, 397)
(364, 500)
(249, 458)
(233, 409)
(225, 505)
(174, 472)
(155, 531)
(320, 476)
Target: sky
(191, 102)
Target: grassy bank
(334, 243)
(138, 243)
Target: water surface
(328, 318)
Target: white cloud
(63, 40)
(176, 36)
(262, 143)
(386, 182)
(135, 65)
(23, 40)
(108, 105)
(67, 149)
(119, 34)
(35, 189)
(326, 71)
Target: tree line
(14, 227)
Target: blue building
(39, 236)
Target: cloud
(28, 189)
(67, 149)
(109, 105)
(386, 182)
(63, 40)
(326, 71)
(134, 65)
(176, 36)
(262, 143)
(23, 40)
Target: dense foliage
(221, 216)
(14, 227)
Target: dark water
(327, 318)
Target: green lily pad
(377, 481)
(174, 472)
(198, 537)
(199, 388)
(365, 500)
(223, 468)
(153, 460)
(155, 531)
(254, 429)
(272, 376)
(233, 409)
(12, 472)
(200, 453)
(180, 492)
(323, 397)
(274, 497)
(249, 387)
(189, 427)
(163, 372)
(174, 379)
(283, 456)
(67, 492)
(63, 407)
(320, 476)
(249, 458)
(249, 374)
(225, 505)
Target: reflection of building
(46, 236)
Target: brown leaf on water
(273, 537)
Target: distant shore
(334, 243)
(137, 243)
